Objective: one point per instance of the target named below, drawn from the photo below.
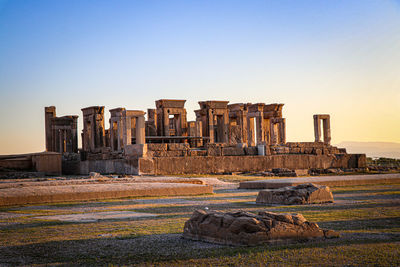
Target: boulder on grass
(243, 228)
(296, 195)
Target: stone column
(49, 112)
(327, 131)
(166, 123)
(225, 129)
(199, 133)
(211, 126)
(140, 130)
(127, 130)
(250, 131)
(282, 131)
(317, 129)
(243, 124)
(260, 128)
(274, 134)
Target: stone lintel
(213, 104)
(170, 103)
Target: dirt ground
(147, 231)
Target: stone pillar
(243, 124)
(225, 129)
(127, 130)
(327, 130)
(152, 122)
(317, 129)
(49, 112)
(199, 133)
(211, 126)
(274, 133)
(250, 131)
(260, 128)
(282, 131)
(140, 130)
(166, 123)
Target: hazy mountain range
(373, 149)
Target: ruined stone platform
(323, 180)
(20, 194)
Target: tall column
(317, 129)
(119, 134)
(327, 130)
(127, 131)
(49, 112)
(282, 131)
(260, 128)
(250, 131)
(140, 130)
(274, 133)
(243, 124)
(166, 123)
(211, 126)
(225, 138)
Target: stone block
(294, 195)
(242, 228)
(251, 151)
(137, 150)
(157, 147)
(176, 153)
(317, 151)
(295, 150)
(308, 150)
(178, 146)
(197, 153)
(158, 153)
(301, 172)
(214, 151)
(232, 151)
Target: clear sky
(335, 57)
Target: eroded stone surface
(301, 194)
(242, 228)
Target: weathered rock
(301, 194)
(242, 228)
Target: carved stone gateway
(215, 120)
(93, 136)
(126, 127)
(171, 117)
(326, 127)
(61, 132)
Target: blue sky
(336, 57)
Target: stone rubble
(243, 228)
(296, 195)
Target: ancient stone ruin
(296, 195)
(242, 228)
(224, 138)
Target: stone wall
(226, 164)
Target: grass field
(367, 217)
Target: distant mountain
(373, 149)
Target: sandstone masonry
(223, 138)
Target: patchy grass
(370, 229)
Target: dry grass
(368, 217)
